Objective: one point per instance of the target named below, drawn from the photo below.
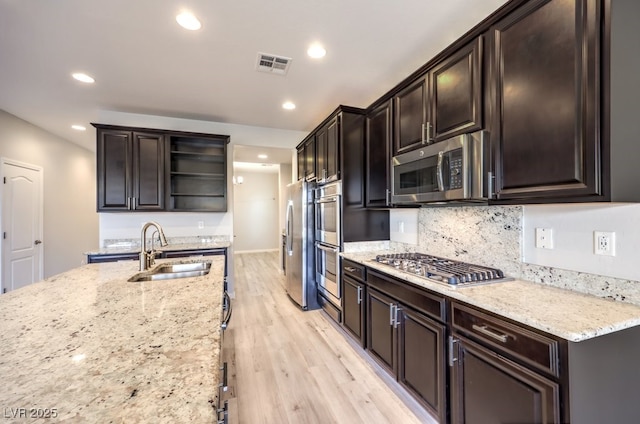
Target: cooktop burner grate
(454, 273)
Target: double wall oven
(328, 201)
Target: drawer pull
(485, 330)
(350, 268)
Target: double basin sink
(173, 270)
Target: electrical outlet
(200, 225)
(401, 226)
(544, 238)
(604, 243)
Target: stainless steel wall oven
(328, 228)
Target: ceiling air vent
(273, 64)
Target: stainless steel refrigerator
(300, 270)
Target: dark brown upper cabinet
(455, 91)
(143, 169)
(307, 158)
(546, 79)
(444, 102)
(300, 160)
(410, 106)
(130, 166)
(327, 152)
(378, 156)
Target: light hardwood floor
(290, 366)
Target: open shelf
(198, 173)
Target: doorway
(22, 224)
(259, 190)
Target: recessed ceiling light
(316, 51)
(262, 156)
(188, 21)
(83, 77)
(79, 127)
(288, 105)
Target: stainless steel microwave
(456, 169)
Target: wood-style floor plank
(290, 366)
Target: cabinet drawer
(535, 349)
(429, 303)
(353, 269)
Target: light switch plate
(544, 238)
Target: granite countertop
(97, 348)
(567, 314)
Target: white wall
(256, 208)
(573, 227)
(70, 218)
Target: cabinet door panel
(353, 298)
(332, 158)
(488, 388)
(421, 365)
(547, 116)
(114, 170)
(321, 155)
(380, 333)
(456, 93)
(148, 171)
(310, 159)
(410, 114)
(378, 150)
(301, 164)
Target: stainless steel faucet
(146, 258)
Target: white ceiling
(143, 62)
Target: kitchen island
(89, 346)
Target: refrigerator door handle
(289, 229)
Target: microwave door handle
(440, 176)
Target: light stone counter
(567, 314)
(97, 348)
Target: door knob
(37, 242)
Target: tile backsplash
(493, 236)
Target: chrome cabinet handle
(350, 268)
(428, 137)
(452, 350)
(387, 197)
(227, 306)
(392, 315)
(359, 295)
(223, 385)
(483, 329)
(424, 140)
(224, 411)
(396, 320)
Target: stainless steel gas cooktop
(442, 270)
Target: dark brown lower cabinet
(412, 346)
(353, 307)
(421, 359)
(380, 331)
(488, 388)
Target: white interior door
(21, 224)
